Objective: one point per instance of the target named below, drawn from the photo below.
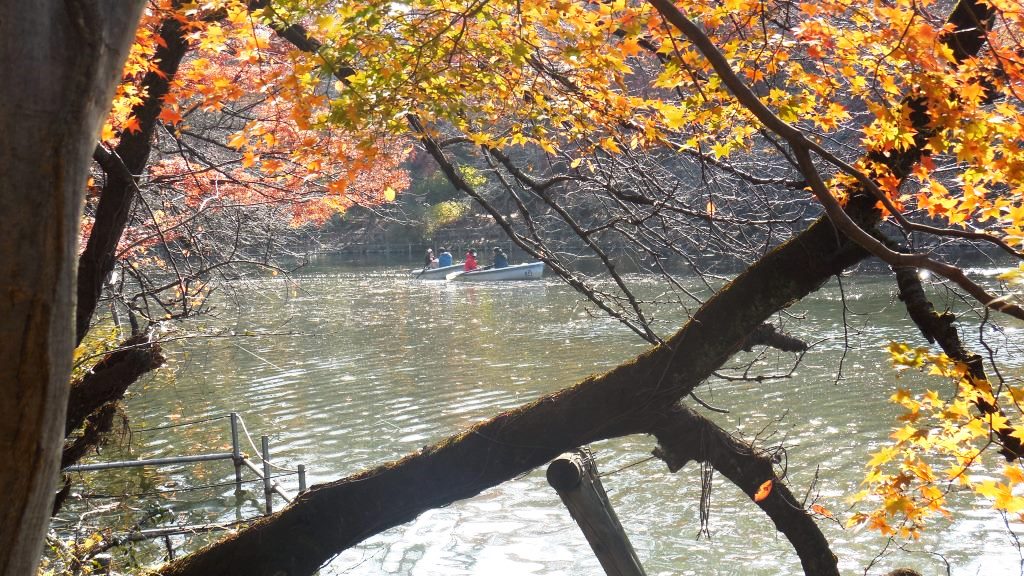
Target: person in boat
(470, 261)
(500, 259)
(430, 261)
(444, 258)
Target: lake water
(368, 365)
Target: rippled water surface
(372, 365)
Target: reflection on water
(377, 365)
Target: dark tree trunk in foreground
(59, 61)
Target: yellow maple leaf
(610, 145)
(882, 456)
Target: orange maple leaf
(819, 509)
(763, 490)
(170, 116)
(132, 125)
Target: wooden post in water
(574, 476)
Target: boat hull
(435, 273)
(528, 271)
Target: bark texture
(97, 426)
(686, 436)
(94, 397)
(60, 61)
(110, 378)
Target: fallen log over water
(634, 398)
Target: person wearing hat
(430, 261)
(470, 260)
(500, 259)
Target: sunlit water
(369, 365)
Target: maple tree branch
(540, 187)
(125, 163)
(297, 36)
(941, 329)
(541, 191)
(109, 379)
(845, 224)
(721, 65)
(530, 182)
(871, 186)
(641, 328)
(742, 175)
(801, 149)
(970, 20)
(683, 436)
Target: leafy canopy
(573, 77)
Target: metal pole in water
(302, 478)
(268, 489)
(149, 462)
(236, 454)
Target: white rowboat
(528, 271)
(436, 273)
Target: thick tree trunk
(59, 61)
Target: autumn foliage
(882, 92)
(244, 124)
(575, 77)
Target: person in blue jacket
(444, 259)
(500, 259)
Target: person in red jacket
(470, 261)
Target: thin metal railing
(263, 472)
